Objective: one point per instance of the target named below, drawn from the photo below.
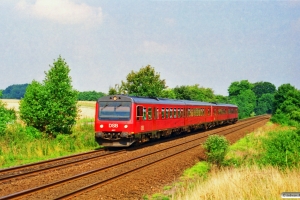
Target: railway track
(82, 183)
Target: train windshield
(114, 110)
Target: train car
(122, 120)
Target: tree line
(17, 91)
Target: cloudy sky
(210, 43)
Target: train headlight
(101, 125)
(126, 126)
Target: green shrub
(51, 106)
(6, 116)
(200, 169)
(281, 149)
(216, 148)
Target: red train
(122, 120)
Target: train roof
(149, 100)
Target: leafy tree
(16, 91)
(261, 88)
(51, 106)
(6, 116)
(168, 93)
(221, 99)
(195, 93)
(264, 104)
(246, 102)
(145, 82)
(286, 107)
(90, 96)
(1, 94)
(236, 87)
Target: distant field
(87, 107)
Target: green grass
(21, 145)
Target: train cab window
(167, 113)
(163, 113)
(144, 113)
(150, 113)
(139, 112)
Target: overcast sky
(210, 43)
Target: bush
(6, 116)
(281, 149)
(216, 147)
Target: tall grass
(244, 183)
(22, 144)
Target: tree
(286, 107)
(261, 88)
(236, 87)
(168, 93)
(146, 82)
(1, 94)
(52, 106)
(246, 102)
(264, 104)
(194, 92)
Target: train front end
(114, 121)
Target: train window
(208, 111)
(139, 112)
(171, 113)
(167, 113)
(163, 113)
(150, 113)
(156, 111)
(175, 112)
(181, 112)
(178, 112)
(189, 112)
(144, 113)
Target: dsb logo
(113, 125)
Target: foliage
(216, 148)
(200, 169)
(51, 106)
(1, 93)
(264, 104)
(89, 96)
(6, 116)
(245, 101)
(261, 88)
(146, 82)
(281, 149)
(286, 107)
(16, 91)
(195, 93)
(221, 99)
(236, 87)
(168, 93)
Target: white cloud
(61, 11)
